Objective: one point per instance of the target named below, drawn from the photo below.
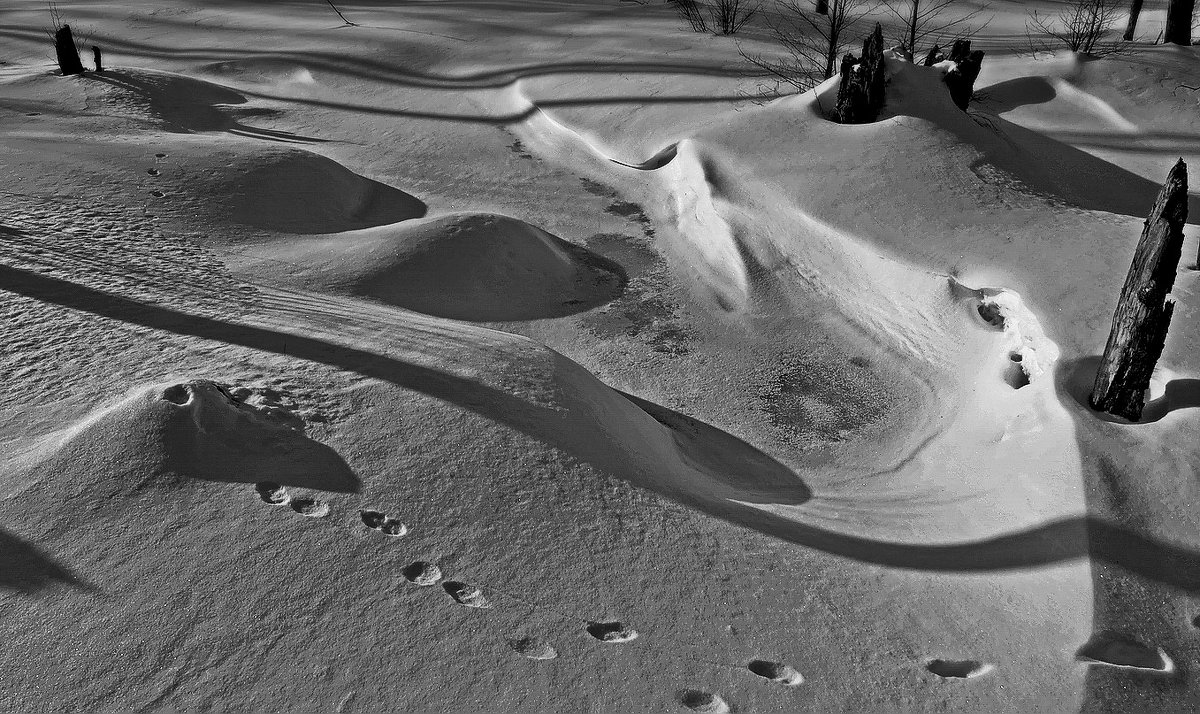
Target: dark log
(68, 55)
(935, 55)
(961, 79)
(1135, 11)
(861, 91)
(1179, 22)
(1143, 314)
(98, 58)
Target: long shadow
(27, 570)
(1142, 594)
(1120, 545)
(190, 105)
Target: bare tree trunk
(1179, 22)
(861, 92)
(961, 79)
(64, 49)
(1143, 314)
(831, 52)
(1135, 10)
(98, 58)
(823, 9)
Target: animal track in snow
(706, 702)
(422, 573)
(152, 172)
(157, 194)
(611, 632)
(373, 519)
(466, 595)
(394, 528)
(776, 672)
(1115, 650)
(272, 493)
(958, 668)
(533, 648)
(311, 507)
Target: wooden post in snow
(98, 57)
(65, 50)
(1139, 328)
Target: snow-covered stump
(1143, 314)
(67, 53)
(961, 79)
(861, 91)
(934, 56)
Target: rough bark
(97, 56)
(1179, 22)
(68, 55)
(1143, 315)
(1135, 11)
(961, 79)
(861, 91)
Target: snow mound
(194, 429)
(466, 266)
(297, 191)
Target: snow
(677, 399)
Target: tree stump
(935, 55)
(68, 55)
(961, 79)
(1143, 314)
(861, 91)
(1179, 22)
(97, 57)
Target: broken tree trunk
(935, 55)
(98, 58)
(68, 55)
(1143, 314)
(961, 79)
(861, 91)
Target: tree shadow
(190, 106)
(27, 570)
(1104, 540)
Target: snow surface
(683, 400)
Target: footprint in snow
(700, 701)
(533, 648)
(1116, 650)
(611, 632)
(157, 194)
(381, 522)
(422, 573)
(466, 595)
(272, 493)
(152, 172)
(958, 668)
(777, 672)
(311, 507)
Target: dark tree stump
(935, 55)
(97, 58)
(1179, 22)
(861, 91)
(1135, 11)
(961, 79)
(1143, 314)
(68, 55)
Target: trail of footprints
(1104, 649)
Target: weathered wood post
(1143, 314)
(97, 57)
(65, 50)
(861, 92)
(961, 79)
